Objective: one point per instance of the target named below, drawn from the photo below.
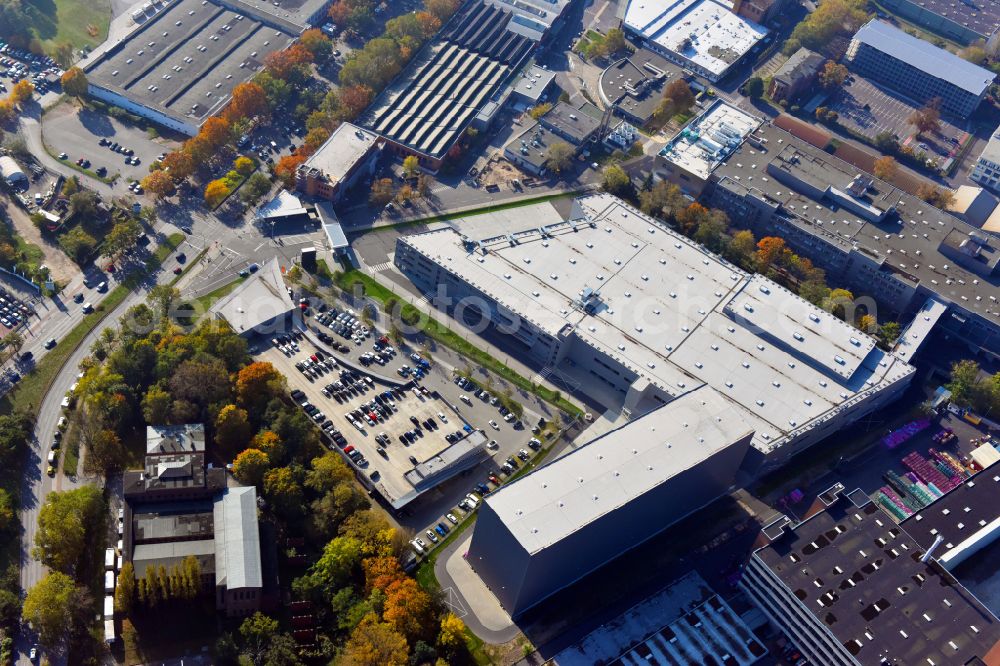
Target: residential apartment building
(918, 69)
(796, 76)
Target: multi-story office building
(637, 315)
(351, 153)
(918, 69)
(851, 587)
(986, 170)
(866, 234)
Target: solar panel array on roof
(471, 59)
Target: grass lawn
(29, 391)
(449, 338)
(542, 198)
(76, 22)
(203, 303)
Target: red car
(348, 448)
(177, 271)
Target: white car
(452, 518)
(494, 424)
(509, 417)
(430, 535)
(464, 398)
(444, 419)
(493, 446)
(417, 547)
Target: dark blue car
(440, 529)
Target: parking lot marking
(453, 601)
(378, 268)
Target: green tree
(126, 589)
(282, 489)
(615, 180)
(559, 156)
(888, 333)
(105, 454)
(336, 566)
(257, 632)
(156, 406)
(123, 238)
(51, 607)
(65, 522)
(755, 87)
(232, 429)
(614, 40)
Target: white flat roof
(259, 300)
(709, 139)
(560, 498)
(237, 539)
(284, 204)
(672, 312)
(346, 146)
(705, 32)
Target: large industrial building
(964, 22)
(638, 315)
(704, 36)
(467, 68)
(180, 61)
(550, 528)
(851, 587)
(918, 69)
(866, 234)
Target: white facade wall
(188, 128)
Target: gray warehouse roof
(925, 56)
(185, 60)
(562, 497)
(453, 78)
(237, 539)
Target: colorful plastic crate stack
(928, 473)
(887, 498)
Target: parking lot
(372, 418)
(78, 134)
(870, 110)
(508, 441)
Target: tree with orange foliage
(429, 24)
(286, 167)
(215, 132)
(407, 608)
(215, 192)
(7, 111)
(381, 572)
(158, 183)
(374, 643)
(257, 384)
(74, 82)
(283, 64)
(354, 100)
(247, 101)
(689, 217)
(269, 442)
(318, 44)
(22, 91)
(179, 164)
(769, 250)
(199, 149)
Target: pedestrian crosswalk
(378, 268)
